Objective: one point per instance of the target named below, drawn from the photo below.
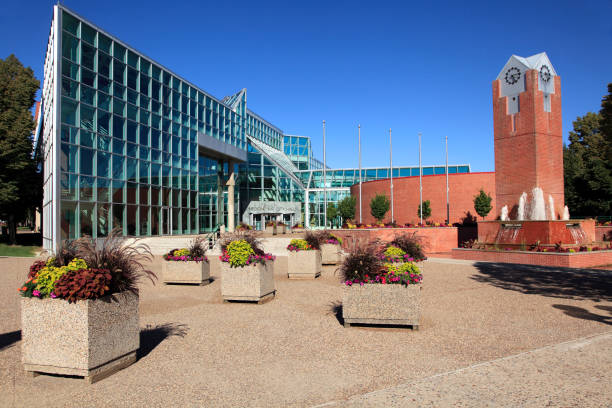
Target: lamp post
(360, 181)
(391, 172)
(324, 181)
(420, 182)
(447, 201)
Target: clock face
(545, 73)
(513, 75)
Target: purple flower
(53, 295)
(36, 293)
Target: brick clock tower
(527, 132)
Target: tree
(332, 212)
(379, 206)
(426, 210)
(587, 170)
(482, 203)
(346, 208)
(20, 184)
(606, 120)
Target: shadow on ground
(564, 283)
(8, 339)
(335, 308)
(581, 313)
(152, 336)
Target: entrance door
(166, 221)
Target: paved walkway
(294, 351)
(570, 374)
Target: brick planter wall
(434, 239)
(565, 259)
(601, 232)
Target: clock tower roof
(524, 64)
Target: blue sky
(413, 67)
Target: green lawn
(18, 250)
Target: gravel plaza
(490, 335)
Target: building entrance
(166, 221)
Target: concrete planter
(304, 264)
(186, 272)
(89, 338)
(382, 304)
(330, 254)
(249, 283)
(271, 230)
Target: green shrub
(239, 252)
(379, 206)
(426, 210)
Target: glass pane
(103, 164)
(88, 34)
(69, 111)
(144, 221)
(70, 48)
(104, 101)
(103, 220)
(118, 216)
(87, 117)
(69, 186)
(88, 56)
(68, 220)
(103, 187)
(86, 186)
(88, 95)
(68, 157)
(87, 218)
(70, 24)
(104, 43)
(104, 64)
(118, 191)
(87, 139)
(103, 122)
(118, 172)
(70, 88)
(132, 212)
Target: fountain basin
(568, 232)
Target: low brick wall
(565, 259)
(433, 239)
(601, 232)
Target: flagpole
(324, 181)
(420, 182)
(447, 201)
(391, 172)
(360, 181)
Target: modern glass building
(127, 143)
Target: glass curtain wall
(129, 148)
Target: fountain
(538, 209)
(535, 223)
(521, 206)
(566, 215)
(504, 213)
(551, 208)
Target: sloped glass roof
(277, 157)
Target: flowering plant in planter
(299, 245)
(195, 252)
(241, 249)
(244, 227)
(98, 271)
(271, 224)
(246, 274)
(79, 312)
(240, 253)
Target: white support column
(231, 182)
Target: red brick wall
(569, 260)
(603, 231)
(530, 152)
(433, 240)
(462, 189)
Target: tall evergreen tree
(20, 185)
(482, 203)
(587, 170)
